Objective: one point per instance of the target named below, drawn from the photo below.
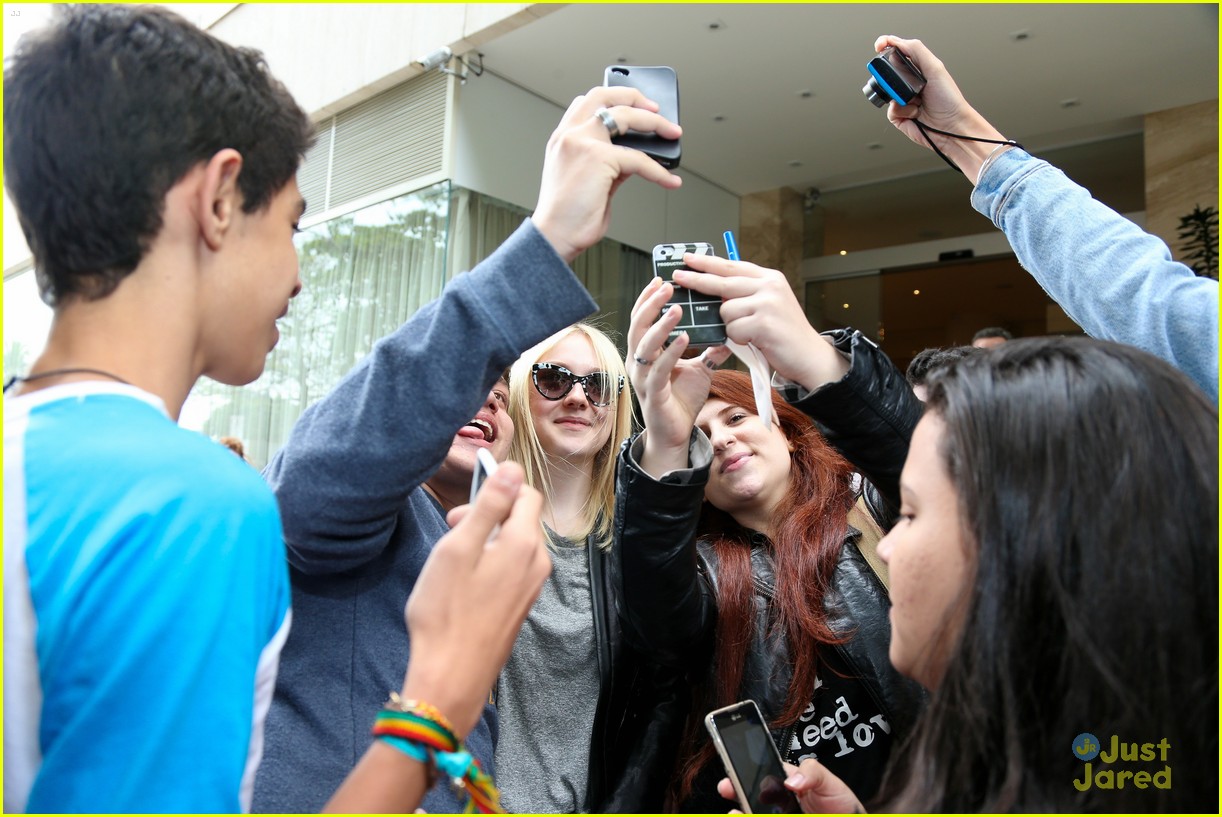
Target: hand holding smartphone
(661, 84)
(752, 761)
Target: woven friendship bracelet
(421, 732)
(417, 728)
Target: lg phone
(752, 761)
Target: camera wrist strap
(925, 129)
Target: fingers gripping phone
(701, 313)
(751, 759)
(485, 466)
(661, 84)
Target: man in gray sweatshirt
(354, 479)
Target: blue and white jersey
(146, 600)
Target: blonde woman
(566, 739)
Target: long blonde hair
(527, 450)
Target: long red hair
(811, 523)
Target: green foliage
(17, 359)
(1199, 237)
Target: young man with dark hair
(146, 595)
(991, 336)
(146, 598)
(927, 361)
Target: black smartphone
(661, 84)
(701, 313)
(752, 761)
(485, 466)
(892, 76)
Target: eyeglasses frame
(574, 379)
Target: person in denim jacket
(1115, 280)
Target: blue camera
(892, 76)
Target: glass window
(362, 275)
(614, 273)
(845, 302)
(27, 320)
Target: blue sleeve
(157, 642)
(353, 457)
(1115, 280)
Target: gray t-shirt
(548, 692)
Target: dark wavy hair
(1087, 475)
(930, 360)
(811, 527)
(105, 110)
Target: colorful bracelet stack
(422, 733)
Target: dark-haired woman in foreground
(1054, 576)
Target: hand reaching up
(582, 169)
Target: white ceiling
(1119, 61)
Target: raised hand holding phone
(671, 389)
(661, 84)
(582, 169)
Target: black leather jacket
(668, 581)
(640, 712)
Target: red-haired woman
(737, 540)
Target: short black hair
(928, 361)
(993, 332)
(105, 110)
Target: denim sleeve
(1115, 280)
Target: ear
(220, 199)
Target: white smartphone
(752, 761)
(485, 466)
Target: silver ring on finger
(608, 122)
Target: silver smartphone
(752, 761)
(485, 466)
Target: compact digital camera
(892, 76)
